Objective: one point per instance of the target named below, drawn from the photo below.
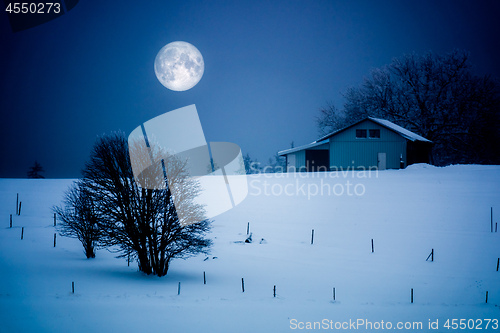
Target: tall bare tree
(138, 221)
(438, 97)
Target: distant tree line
(107, 208)
(275, 164)
(436, 96)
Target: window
(360, 133)
(374, 133)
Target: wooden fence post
(431, 255)
(491, 218)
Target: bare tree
(438, 97)
(79, 218)
(331, 118)
(139, 221)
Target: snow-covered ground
(406, 213)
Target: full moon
(179, 66)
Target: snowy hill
(407, 213)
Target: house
(371, 143)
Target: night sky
(269, 67)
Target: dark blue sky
(269, 67)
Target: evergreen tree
(35, 171)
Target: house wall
(300, 160)
(347, 151)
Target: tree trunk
(143, 261)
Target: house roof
(403, 131)
(310, 145)
(409, 135)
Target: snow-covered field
(406, 213)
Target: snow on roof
(387, 124)
(396, 128)
(310, 145)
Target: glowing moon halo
(179, 66)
